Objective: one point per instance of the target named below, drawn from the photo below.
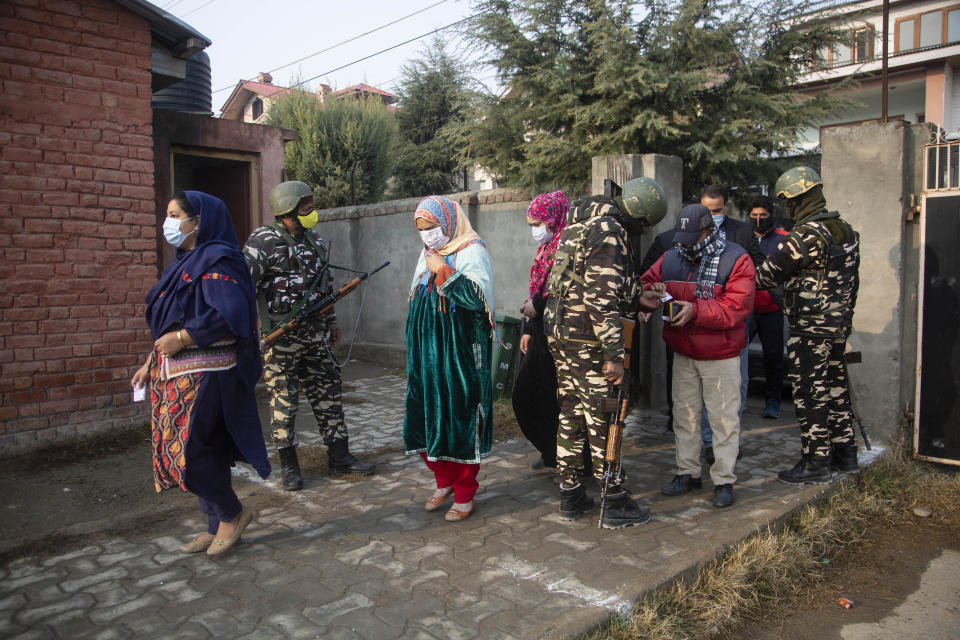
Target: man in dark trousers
(767, 314)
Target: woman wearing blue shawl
(203, 368)
(448, 418)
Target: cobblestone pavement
(362, 559)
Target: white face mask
(541, 233)
(172, 233)
(718, 219)
(434, 238)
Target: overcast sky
(256, 35)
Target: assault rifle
(855, 357)
(321, 306)
(617, 408)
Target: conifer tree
(709, 81)
(435, 92)
(345, 148)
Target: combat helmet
(643, 200)
(285, 197)
(796, 181)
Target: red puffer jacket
(717, 331)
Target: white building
(923, 62)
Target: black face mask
(762, 225)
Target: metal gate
(937, 419)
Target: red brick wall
(78, 225)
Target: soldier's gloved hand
(334, 334)
(685, 315)
(613, 372)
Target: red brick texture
(78, 225)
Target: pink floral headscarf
(552, 208)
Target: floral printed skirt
(172, 402)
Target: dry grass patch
(748, 582)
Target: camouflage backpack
(589, 222)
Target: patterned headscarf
(552, 208)
(453, 222)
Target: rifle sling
(267, 325)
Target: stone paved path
(362, 559)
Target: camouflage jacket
(283, 272)
(591, 283)
(818, 263)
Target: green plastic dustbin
(502, 358)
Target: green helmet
(644, 200)
(285, 197)
(796, 181)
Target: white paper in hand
(139, 394)
(666, 297)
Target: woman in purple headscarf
(203, 368)
(535, 383)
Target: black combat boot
(340, 460)
(810, 470)
(843, 458)
(621, 511)
(290, 477)
(574, 501)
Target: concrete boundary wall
(364, 237)
(871, 175)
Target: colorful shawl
(552, 208)
(466, 252)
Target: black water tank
(192, 94)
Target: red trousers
(462, 477)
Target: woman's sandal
(456, 515)
(439, 496)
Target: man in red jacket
(712, 283)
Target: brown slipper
(435, 501)
(219, 545)
(457, 514)
(196, 545)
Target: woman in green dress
(449, 406)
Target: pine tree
(345, 148)
(706, 80)
(434, 95)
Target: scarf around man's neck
(707, 252)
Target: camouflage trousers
(298, 361)
(820, 392)
(580, 388)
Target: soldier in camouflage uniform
(818, 263)
(289, 265)
(591, 284)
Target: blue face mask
(718, 220)
(172, 232)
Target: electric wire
(209, 2)
(353, 62)
(347, 41)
